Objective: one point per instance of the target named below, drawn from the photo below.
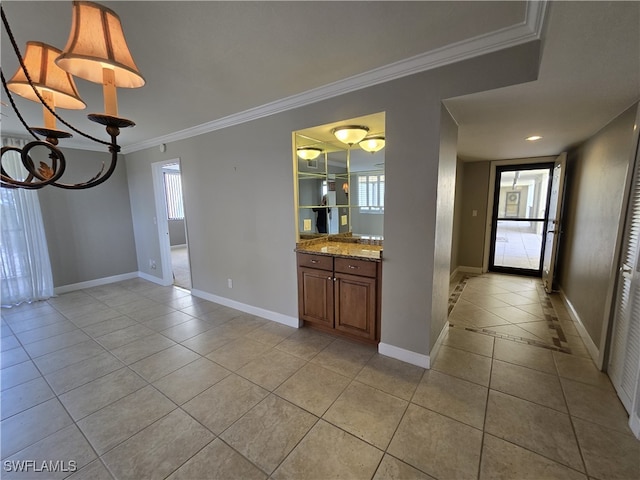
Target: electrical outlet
(152, 264)
(229, 283)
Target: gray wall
(444, 223)
(472, 196)
(596, 175)
(238, 185)
(177, 232)
(89, 232)
(457, 216)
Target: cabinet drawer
(356, 267)
(309, 260)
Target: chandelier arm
(101, 176)
(8, 182)
(36, 178)
(42, 100)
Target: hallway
(134, 380)
(180, 267)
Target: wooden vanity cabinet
(315, 289)
(340, 294)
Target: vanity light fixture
(533, 138)
(96, 51)
(350, 134)
(372, 144)
(309, 153)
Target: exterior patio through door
(520, 210)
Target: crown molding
(528, 30)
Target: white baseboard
(634, 424)
(460, 269)
(94, 283)
(151, 278)
(592, 348)
(453, 274)
(406, 356)
(243, 307)
(474, 270)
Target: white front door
(552, 224)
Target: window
(371, 193)
(173, 191)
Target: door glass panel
(518, 244)
(523, 194)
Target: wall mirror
(339, 188)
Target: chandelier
(96, 51)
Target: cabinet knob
(354, 267)
(329, 278)
(314, 261)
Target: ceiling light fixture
(533, 138)
(350, 134)
(372, 144)
(96, 51)
(309, 153)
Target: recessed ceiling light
(533, 138)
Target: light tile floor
(133, 380)
(518, 245)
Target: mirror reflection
(340, 187)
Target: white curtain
(26, 269)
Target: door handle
(626, 271)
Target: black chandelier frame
(49, 174)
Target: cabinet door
(355, 305)
(315, 296)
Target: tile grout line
(571, 422)
(486, 410)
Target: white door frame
(161, 219)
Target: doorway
(520, 211)
(171, 221)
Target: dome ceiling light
(309, 153)
(372, 144)
(350, 134)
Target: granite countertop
(343, 249)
